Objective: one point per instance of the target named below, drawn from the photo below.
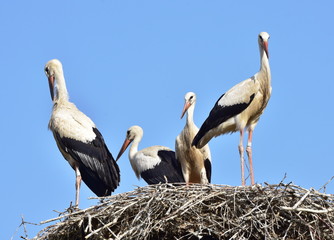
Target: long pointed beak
(265, 47)
(125, 145)
(51, 85)
(185, 108)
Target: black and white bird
(195, 163)
(240, 108)
(156, 164)
(78, 139)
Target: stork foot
(72, 208)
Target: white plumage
(68, 121)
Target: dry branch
(166, 211)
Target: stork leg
(249, 155)
(77, 186)
(242, 161)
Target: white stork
(156, 164)
(240, 108)
(195, 163)
(78, 139)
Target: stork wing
(228, 105)
(97, 166)
(168, 170)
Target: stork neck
(264, 76)
(190, 114)
(60, 89)
(264, 63)
(132, 152)
(264, 68)
(134, 148)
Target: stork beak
(265, 47)
(185, 108)
(125, 145)
(51, 85)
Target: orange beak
(185, 108)
(51, 84)
(124, 146)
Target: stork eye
(46, 70)
(191, 97)
(261, 37)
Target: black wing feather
(218, 115)
(97, 166)
(168, 170)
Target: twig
(301, 200)
(70, 214)
(308, 210)
(324, 186)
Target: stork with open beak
(156, 164)
(196, 163)
(78, 139)
(240, 108)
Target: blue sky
(131, 62)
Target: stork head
(263, 42)
(53, 69)
(134, 132)
(189, 100)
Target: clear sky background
(131, 62)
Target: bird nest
(166, 211)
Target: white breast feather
(69, 122)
